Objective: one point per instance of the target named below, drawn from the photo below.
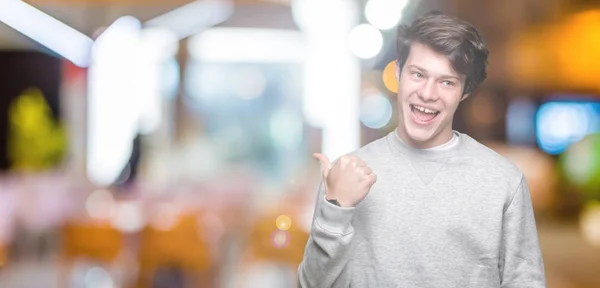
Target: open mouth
(422, 114)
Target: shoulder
(490, 162)
(373, 150)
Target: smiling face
(428, 95)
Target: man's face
(429, 91)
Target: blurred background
(148, 143)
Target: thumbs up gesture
(348, 180)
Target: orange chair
(273, 241)
(178, 246)
(269, 243)
(277, 236)
(97, 241)
(94, 240)
(3, 256)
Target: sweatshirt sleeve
(521, 264)
(326, 255)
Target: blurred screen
(559, 123)
(251, 110)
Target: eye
(448, 83)
(417, 75)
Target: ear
(465, 96)
(397, 71)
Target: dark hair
(457, 39)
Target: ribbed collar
(432, 154)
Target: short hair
(459, 40)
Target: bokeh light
(384, 14)
(375, 111)
(164, 216)
(560, 124)
(581, 164)
(100, 204)
(389, 77)
(128, 217)
(365, 41)
(280, 239)
(579, 36)
(590, 223)
(97, 277)
(283, 222)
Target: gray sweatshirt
(458, 217)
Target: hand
(348, 181)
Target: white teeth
(424, 110)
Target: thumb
(325, 164)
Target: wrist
(334, 219)
(336, 201)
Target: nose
(427, 93)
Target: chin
(420, 134)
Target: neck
(425, 153)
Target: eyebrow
(425, 72)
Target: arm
(521, 263)
(326, 256)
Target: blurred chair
(268, 243)
(95, 241)
(276, 243)
(3, 256)
(179, 247)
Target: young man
(425, 206)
